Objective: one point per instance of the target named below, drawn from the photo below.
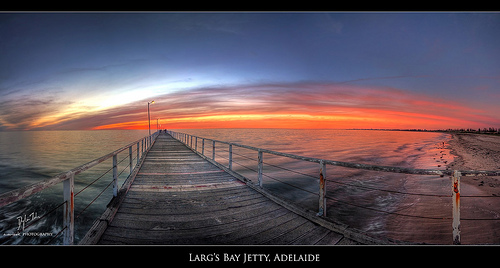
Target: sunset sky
(71, 71)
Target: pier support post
(115, 176)
(456, 207)
(260, 168)
(69, 210)
(322, 189)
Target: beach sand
(475, 152)
(478, 152)
(480, 216)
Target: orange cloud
(295, 105)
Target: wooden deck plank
(180, 198)
(312, 237)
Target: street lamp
(149, 118)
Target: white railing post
(69, 210)
(456, 207)
(260, 168)
(115, 176)
(230, 164)
(322, 190)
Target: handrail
(358, 165)
(67, 178)
(455, 174)
(23, 192)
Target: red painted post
(456, 207)
(322, 189)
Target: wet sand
(475, 152)
(480, 216)
(478, 152)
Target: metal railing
(68, 180)
(200, 145)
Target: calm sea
(354, 195)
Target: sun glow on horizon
(371, 119)
(299, 106)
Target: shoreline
(475, 151)
(478, 152)
(480, 216)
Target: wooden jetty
(176, 193)
(177, 197)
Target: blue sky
(93, 70)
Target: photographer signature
(22, 220)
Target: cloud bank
(281, 105)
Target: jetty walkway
(177, 197)
(177, 193)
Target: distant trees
(490, 130)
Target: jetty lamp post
(149, 118)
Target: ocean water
(387, 205)
(28, 157)
(373, 202)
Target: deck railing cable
(136, 151)
(209, 146)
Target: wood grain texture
(178, 197)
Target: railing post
(196, 144)
(260, 168)
(203, 146)
(69, 210)
(322, 190)
(138, 153)
(115, 176)
(230, 164)
(130, 158)
(213, 150)
(456, 207)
